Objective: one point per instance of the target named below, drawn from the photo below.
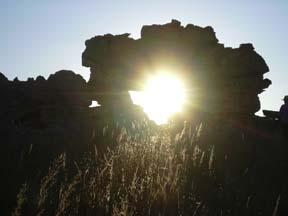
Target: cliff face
(222, 79)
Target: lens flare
(163, 96)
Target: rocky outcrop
(31, 100)
(42, 118)
(221, 79)
(3, 79)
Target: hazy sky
(40, 37)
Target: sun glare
(163, 96)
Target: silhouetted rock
(40, 79)
(67, 88)
(103, 53)
(30, 80)
(67, 80)
(42, 118)
(3, 79)
(225, 80)
(16, 80)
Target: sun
(163, 96)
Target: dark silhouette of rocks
(273, 115)
(41, 118)
(60, 88)
(3, 79)
(224, 80)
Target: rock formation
(3, 79)
(26, 98)
(222, 79)
(42, 118)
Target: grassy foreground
(201, 169)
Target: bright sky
(41, 37)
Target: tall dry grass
(159, 171)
